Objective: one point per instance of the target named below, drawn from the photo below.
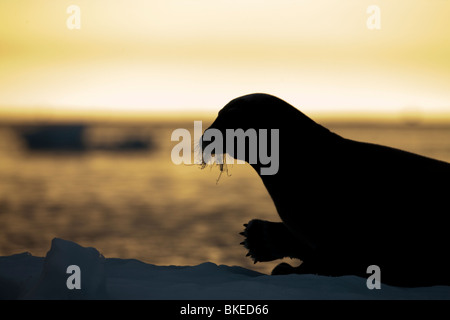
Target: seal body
(346, 205)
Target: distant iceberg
(77, 137)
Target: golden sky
(196, 55)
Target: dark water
(138, 204)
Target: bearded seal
(345, 204)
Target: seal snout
(204, 144)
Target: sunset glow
(168, 56)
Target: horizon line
(115, 116)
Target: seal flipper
(268, 241)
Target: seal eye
(235, 118)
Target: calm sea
(135, 203)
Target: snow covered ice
(23, 276)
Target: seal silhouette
(345, 204)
